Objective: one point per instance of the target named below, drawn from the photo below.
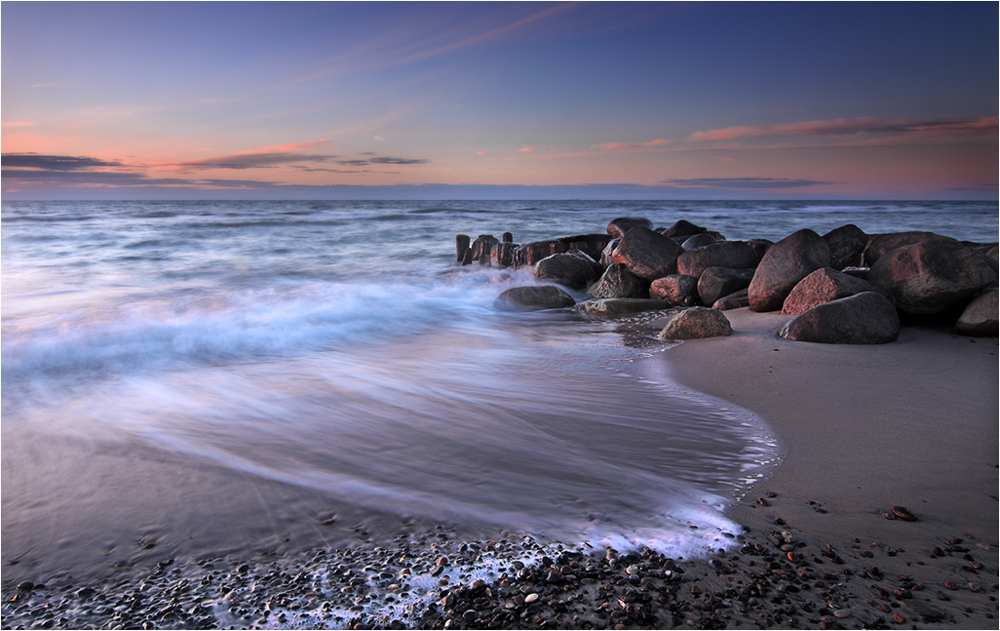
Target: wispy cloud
(742, 183)
(10, 124)
(632, 145)
(528, 149)
(857, 126)
(35, 162)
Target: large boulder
(880, 244)
(980, 317)
(675, 290)
(733, 254)
(697, 241)
(821, 286)
(530, 253)
(716, 282)
(574, 269)
(865, 318)
(931, 276)
(647, 254)
(683, 228)
(533, 298)
(618, 227)
(846, 244)
(735, 300)
(591, 244)
(618, 282)
(786, 263)
(696, 323)
(619, 306)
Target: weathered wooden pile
(843, 287)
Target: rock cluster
(845, 286)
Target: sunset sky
(481, 100)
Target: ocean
(191, 378)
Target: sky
(386, 100)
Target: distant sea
(337, 347)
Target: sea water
(337, 347)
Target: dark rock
(880, 244)
(461, 245)
(618, 282)
(647, 254)
(531, 253)
(618, 227)
(980, 317)
(846, 244)
(574, 269)
(760, 246)
(925, 611)
(696, 323)
(716, 282)
(733, 254)
(481, 248)
(786, 263)
(683, 228)
(619, 306)
(675, 290)
(865, 318)
(821, 286)
(735, 300)
(502, 254)
(931, 276)
(591, 244)
(608, 251)
(857, 272)
(698, 241)
(533, 298)
(508, 237)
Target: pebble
(530, 598)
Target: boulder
(683, 228)
(618, 282)
(698, 241)
(980, 317)
(821, 286)
(846, 244)
(619, 306)
(531, 253)
(786, 263)
(760, 246)
(696, 323)
(590, 244)
(675, 290)
(735, 300)
(880, 244)
(733, 254)
(573, 269)
(931, 276)
(481, 248)
(502, 254)
(647, 254)
(716, 282)
(533, 298)
(618, 227)
(865, 318)
(608, 251)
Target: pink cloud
(482, 153)
(857, 126)
(528, 149)
(632, 145)
(17, 124)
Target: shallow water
(335, 350)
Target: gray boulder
(865, 318)
(931, 276)
(675, 290)
(733, 254)
(619, 306)
(696, 323)
(573, 269)
(846, 244)
(881, 244)
(698, 241)
(980, 317)
(716, 282)
(647, 254)
(683, 228)
(735, 300)
(533, 298)
(786, 263)
(821, 286)
(618, 227)
(618, 282)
